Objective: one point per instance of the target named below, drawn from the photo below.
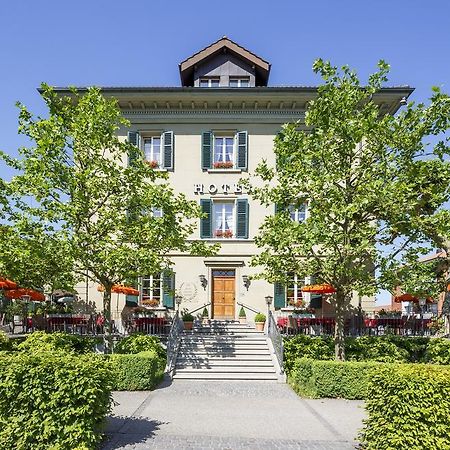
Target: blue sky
(140, 43)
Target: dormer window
(209, 82)
(239, 82)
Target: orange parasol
(410, 298)
(120, 289)
(7, 284)
(319, 289)
(20, 292)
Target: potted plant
(188, 320)
(205, 316)
(242, 316)
(260, 320)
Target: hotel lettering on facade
(207, 134)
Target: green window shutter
(168, 289)
(207, 143)
(167, 139)
(206, 222)
(279, 295)
(131, 300)
(242, 218)
(242, 150)
(133, 138)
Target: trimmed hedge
(332, 379)
(53, 400)
(137, 343)
(388, 348)
(137, 372)
(408, 408)
(40, 341)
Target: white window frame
(297, 284)
(209, 80)
(152, 279)
(297, 213)
(239, 81)
(223, 214)
(224, 151)
(151, 138)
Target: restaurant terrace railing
(292, 324)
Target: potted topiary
(260, 320)
(242, 316)
(188, 320)
(205, 316)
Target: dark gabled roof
(262, 67)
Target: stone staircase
(225, 350)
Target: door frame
(211, 291)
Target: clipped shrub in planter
(137, 372)
(260, 320)
(242, 316)
(408, 408)
(40, 341)
(188, 320)
(332, 379)
(137, 343)
(53, 400)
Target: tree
(83, 189)
(368, 181)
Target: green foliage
(137, 372)
(372, 184)
(260, 317)
(187, 317)
(374, 348)
(205, 313)
(40, 341)
(438, 351)
(408, 408)
(242, 313)
(332, 379)
(137, 343)
(5, 342)
(53, 401)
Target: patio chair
(292, 325)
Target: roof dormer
(224, 64)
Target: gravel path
(231, 415)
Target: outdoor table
(65, 321)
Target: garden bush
(5, 342)
(438, 351)
(53, 401)
(408, 408)
(138, 343)
(137, 372)
(332, 379)
(40, 341)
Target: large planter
(188, 325)
(243, 320)
(259, 326)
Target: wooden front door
(223, 294)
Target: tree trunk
(339, 345)
(107, 324)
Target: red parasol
(20, 292)
(319, 289)
(7, 284)
(410, 298)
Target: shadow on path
(122, 430)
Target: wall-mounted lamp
(178, 299)
(403, 101)
(246, 281)
(203, 281)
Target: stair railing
(173, 343)
(273, 333)
(199, 308)
(248, 307)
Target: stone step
(226, 376)
(222, 349)
(224, 353)
(227, 369)
(224, 338)
(204, 364)
(231, 357)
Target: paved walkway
(230, 415)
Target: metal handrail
(248, 307)
(198, 309)
(173, 343)
(273, 333)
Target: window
(157, 212)
(223, 219)
(152, 151)
(236, 82)
(298, 214)
(209, 82)
(223, 152)
(152, 290)
(294, 294)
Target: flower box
(152, 164)
(223, 165)
(223, 234)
